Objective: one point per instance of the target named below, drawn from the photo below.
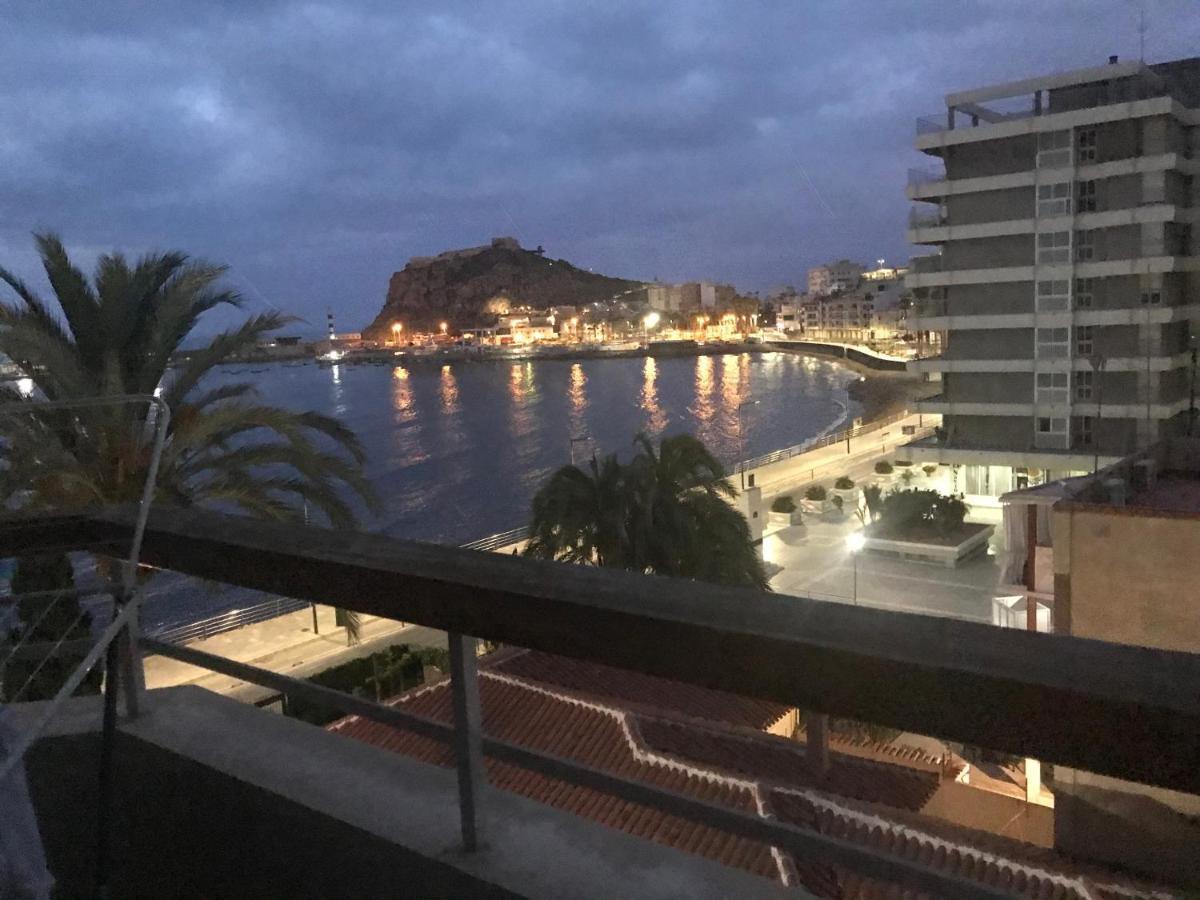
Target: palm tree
(118, 334)
(667, 511)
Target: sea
(456, 451)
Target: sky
(314, 147)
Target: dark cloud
(314, 147)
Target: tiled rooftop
(1172, 491)
(710, 745)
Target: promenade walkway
(286, 644)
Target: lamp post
(854, 543)
(443, 327)
(396, 329)
(650, 320)
(1097, 362)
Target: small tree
(873, 497)
(816, 493)
(929, 469)
(844, 483)
(883, 467)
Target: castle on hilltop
(498, 243)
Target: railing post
(468, 748)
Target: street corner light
(856, 541)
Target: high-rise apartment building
(1066, 210)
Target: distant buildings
(833, 277)
(1068, 273)
(692, 295)
(853, 304)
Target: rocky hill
(459, 287)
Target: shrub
(929, 469)
(900, 463)
(844, 483)
(837, 502)
(783, 504)
(816, 492)
(907, 476)
(883, 467)
(381, 675)
(906, 510)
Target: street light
(396, 329)
(854, 543)
(651, 320)
(1097, 362)
(443, 327)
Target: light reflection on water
(457, 451)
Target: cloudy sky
(315, 147)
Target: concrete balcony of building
(1143, 265)
(936, 228)
(933, 184)
(1062, 363)
(937, 315)
(221, 799)
(987, 125)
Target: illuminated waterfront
(457, 451)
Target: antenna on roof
(1141, 5)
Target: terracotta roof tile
(861, 798)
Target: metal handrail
(502, 539)
(228, 621)
(126, 618)
(816, 443)
(805, 843)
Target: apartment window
(1083, 385)
(1151, 298)
(1085, 192)
(1052, 387)
(1053, 247)
(1085, 145)
(1084, 429)
(1052, 425)
(1083, 340)
(1054, 149)
(1054, 199)
(1052, 296)
(1085, 245)
(1051, 343)
(1083, 293)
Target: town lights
(443, 327)
(651, 320)
(396, 329)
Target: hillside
(456, 286)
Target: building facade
(1066, 286)
(842, 275)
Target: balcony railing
(931, 124)
(1045, 696)
(919, 176)
(924, 218)
(924, 265)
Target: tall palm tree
(667, 511)
(118, 334)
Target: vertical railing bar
(468, 744)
